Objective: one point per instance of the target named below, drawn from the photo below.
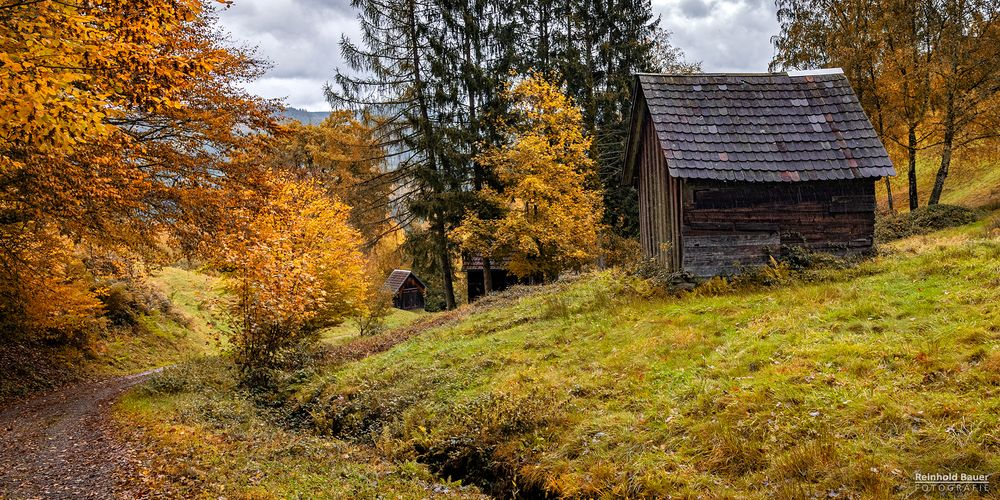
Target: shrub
(296, 268)
(370, 320)
(620, 251)
(127, 299)
(922, 221)
(46, 290)
(799, 258)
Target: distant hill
(303, 116)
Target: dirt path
(62, 444)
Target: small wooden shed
(475, 276)
(733, 168)
(406, 288)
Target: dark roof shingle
(472, 262)
(768, 127)
(397, 278)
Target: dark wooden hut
(475, 276)
(733, 168)
(406, 288)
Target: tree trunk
(444, 257)
(888, 195)
(949, 139)
(429, 144)
(911, 152)
(543, 37)
(487, 276)
(942, 174)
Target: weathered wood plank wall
(659, 204)
(727, 225)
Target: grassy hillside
(973, 182)
(188, 326)
(847, 383)
(836, 382)
(347, 331)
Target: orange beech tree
(551, 207)
(345, 157)
(118, 120)
(294, 267)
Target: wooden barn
(733, 168)
(475, 276)
(406, 288)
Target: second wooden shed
(406, 288)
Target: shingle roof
(397, 278)
(769, 127)
(475, 263)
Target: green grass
(840, 382)
(191, 327)
(194, 327)
(198, 296)
(847, 382)
(397, 318)
(199, 436)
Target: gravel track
(63, 444)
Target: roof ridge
(782, 73)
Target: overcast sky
(300, 38)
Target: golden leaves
(552, 219)
(119, 123)
(296, 265)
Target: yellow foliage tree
(551, 217)
(294, 267)
(344, 157)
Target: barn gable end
(406, 288)
(731, 169)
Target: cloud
(695, 8)
(725, 35)
(302, 39)
(304, 93)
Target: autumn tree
(966, 90)
(293, 267)
(344, 157)
(430, 73)
(551, 218)
(918, 67)
(397, 80)
(848, 34)
(118, 122)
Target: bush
(800, 258)
(620, 251)
(296, 268)
(126, 300)
(922, 221)
(370, 320)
